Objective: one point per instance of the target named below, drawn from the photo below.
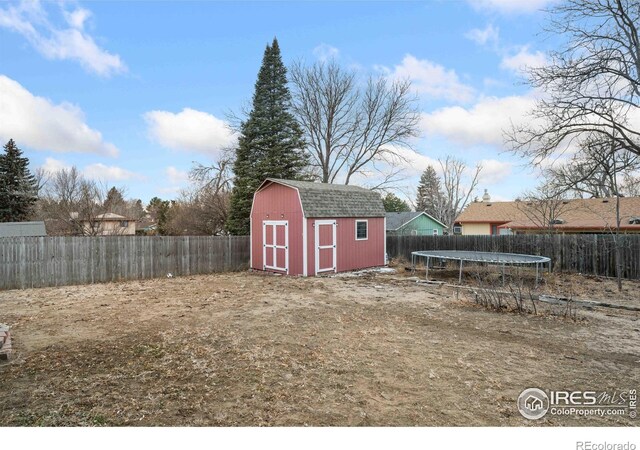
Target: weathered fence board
(583, 253)
(57, 261)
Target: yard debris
(363, 272)
(6, 349)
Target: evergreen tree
(114, 202)
(159, 211)
(18, 186)
(394, 204)
(430, 198)
(270, 143)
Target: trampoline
(493, 258)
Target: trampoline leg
(460, 274)
(426, 276)
(413, 264)
(537, 266)
(503, 274)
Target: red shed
(305, 228)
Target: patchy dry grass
(246, 349)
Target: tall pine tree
(392, 203)
(18, 186)
(270, 143)
(430, 198)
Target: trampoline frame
(482, 257)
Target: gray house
(19, 229)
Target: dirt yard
(250, 349)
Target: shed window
(362, 231)
(435, 231)
(124, 223)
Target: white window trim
(435, 232)
(356, 231)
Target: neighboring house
(109, 224)
(146, 227)
(594, 215)
(304, 228)
(19, 229)
(413, 224)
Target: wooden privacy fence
(582, 253)
(57, 261)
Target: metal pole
(503, 274)
(537, 265)
(460, 275)
(413, 264)
(426, 276)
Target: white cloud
(77, 17)
(325, 52)
(96, 171)
(413, 162)
(431, 79)
(494, 171)
(54, 165)
(483, 123)
(488, 35)
(176, 176)
(66, 42)
(523, 59)
(189, 130)
(511, 6)
(100, 171)
(37, 123)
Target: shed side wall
(351, 253)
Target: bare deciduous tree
(597, 171)
(198, 211)
(458, 184)
(544, 207)
(591, 85)
(70, 204)
(218, 176)
(601, 170)
(351, 129)
(203, 207)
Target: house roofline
(566, 227)
(418, 215)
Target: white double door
(275, 248)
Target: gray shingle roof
(396, 219)
(17, 229)
(335, 200)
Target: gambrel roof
(334, 200)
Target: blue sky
(133, 92)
